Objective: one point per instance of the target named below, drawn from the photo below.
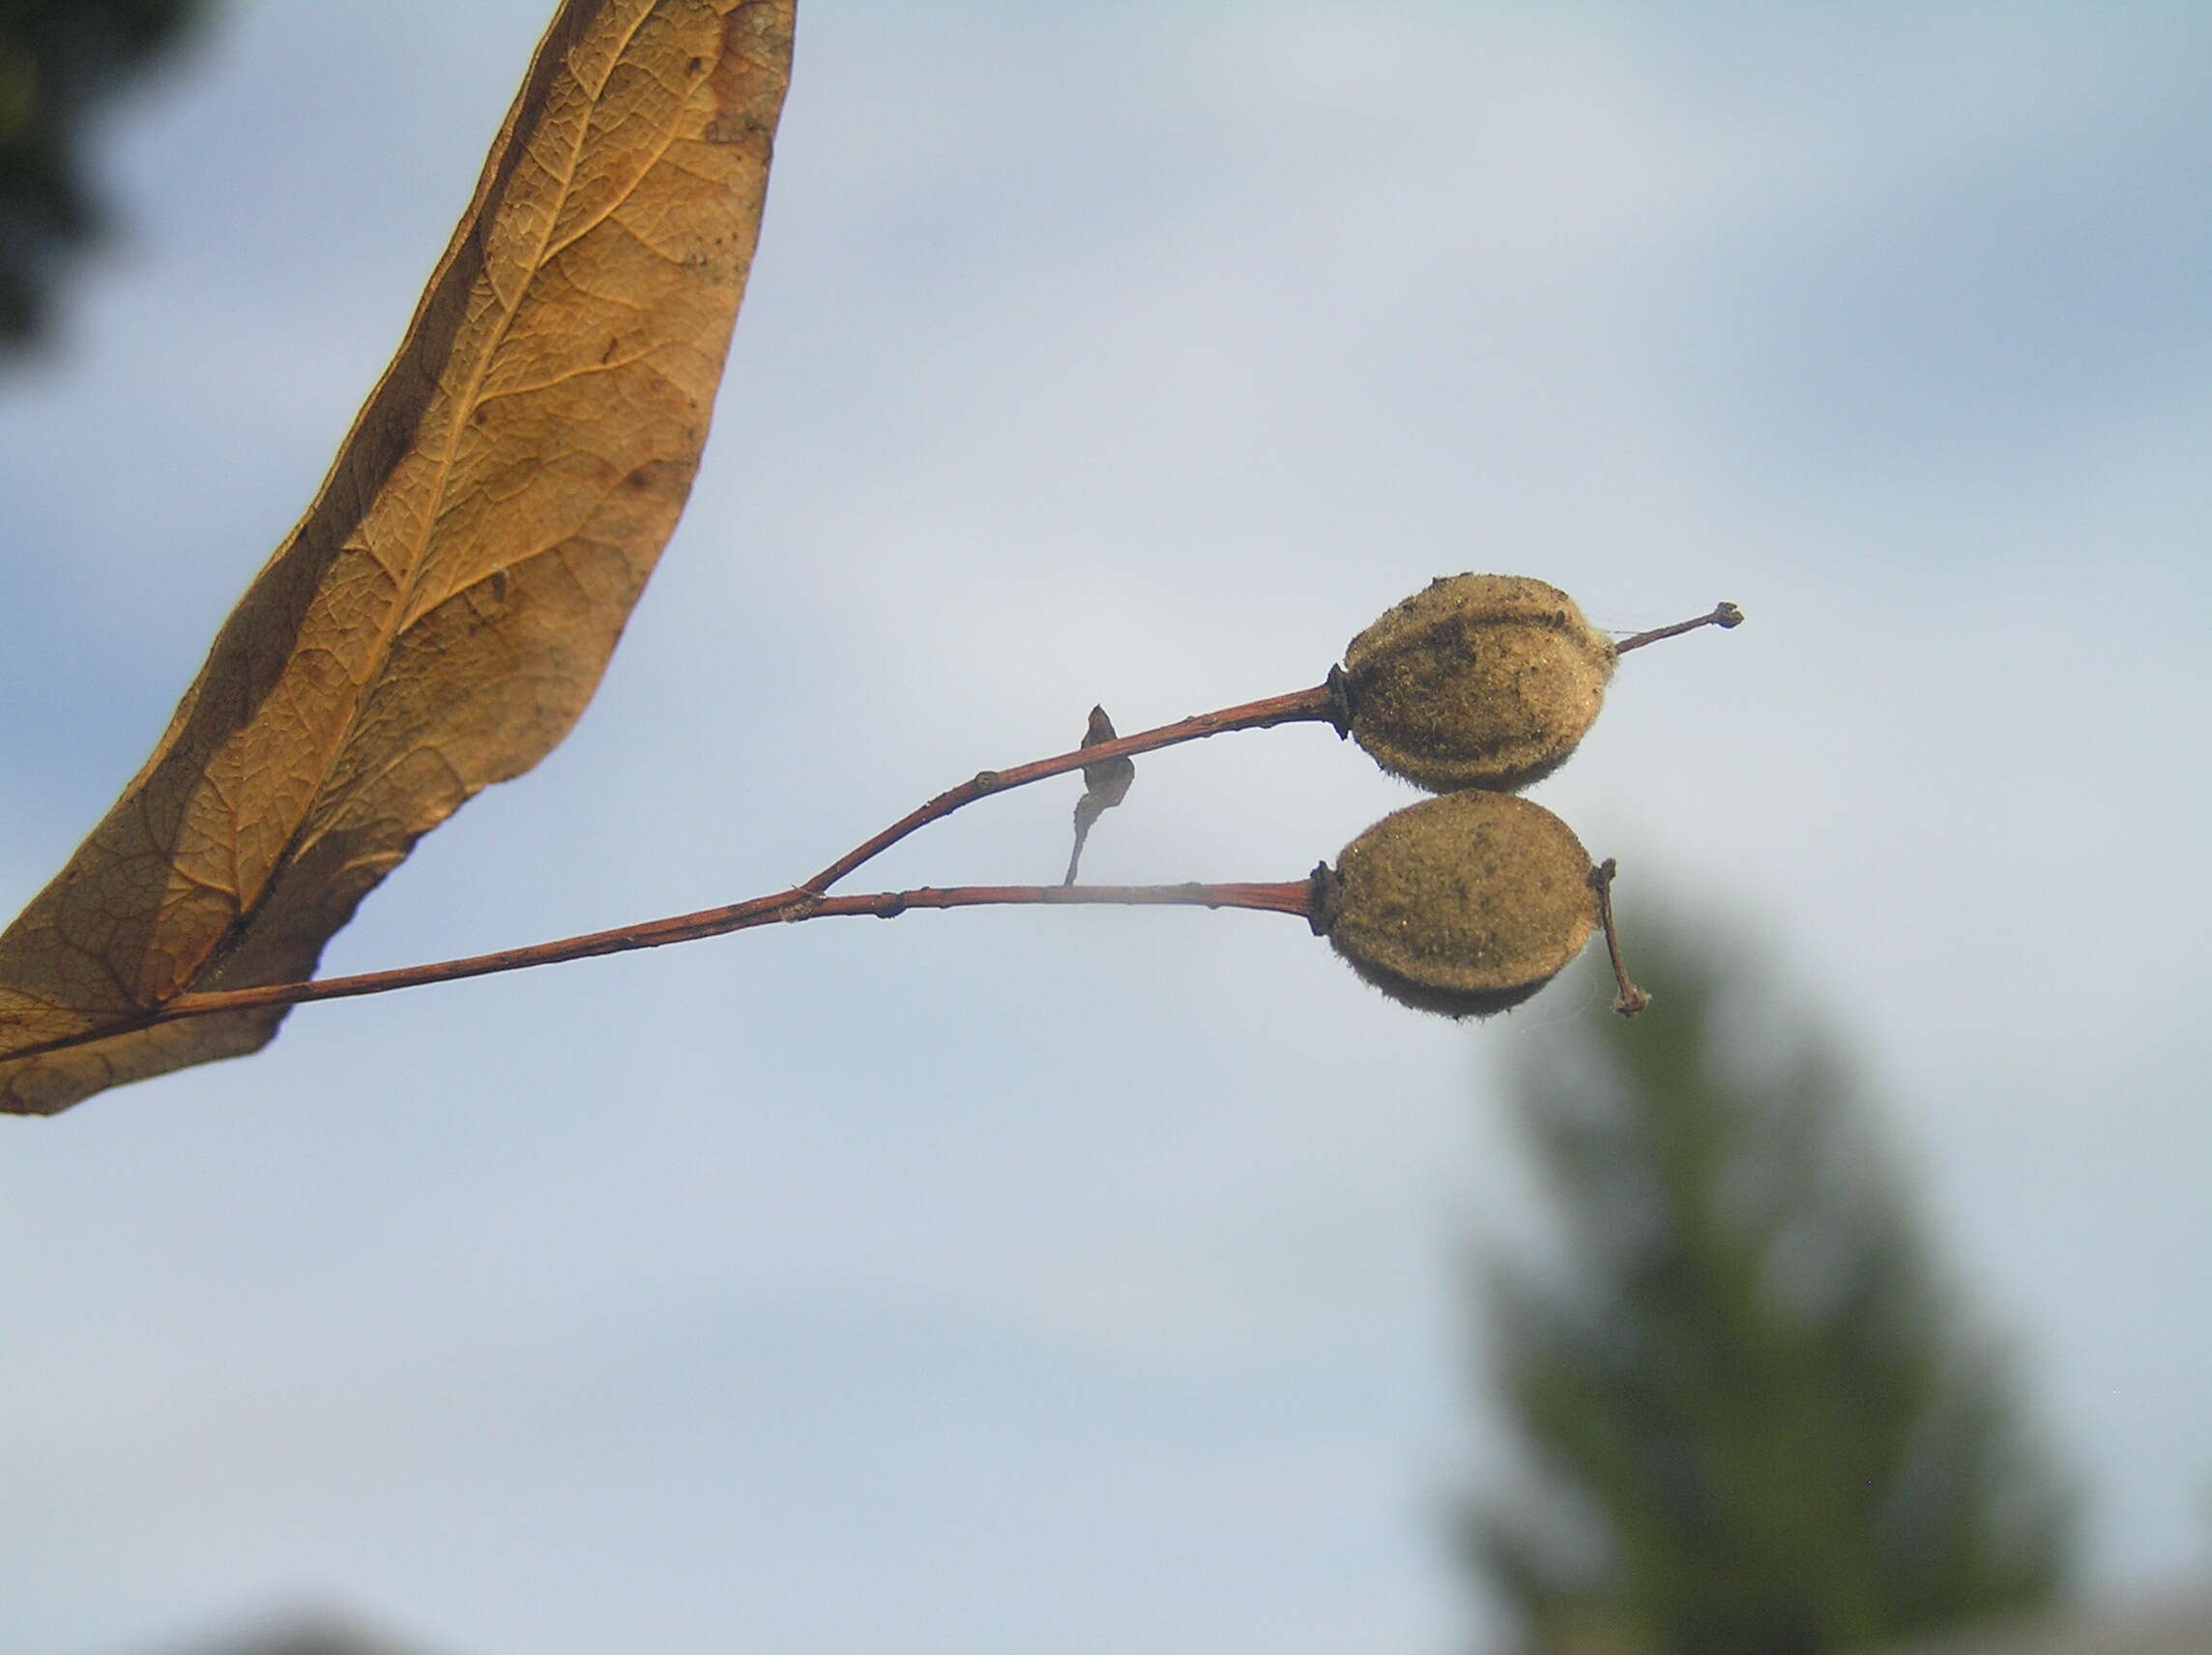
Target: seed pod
(1482, 681)
(1465, 904)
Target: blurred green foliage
(60, 60)
(1756, 1420)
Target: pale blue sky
(817, 1288)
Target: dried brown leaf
(443, 613)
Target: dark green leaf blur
(61, 62)
(1757, 1417)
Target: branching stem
(1327, 702)
(1324, 702)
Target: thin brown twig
(1292, 896)
(1632, 999)
(1723, 616)
(1288, 896)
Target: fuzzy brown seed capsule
(1482, 681)
(1465, 904)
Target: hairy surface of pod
(1482, 681)
(1465, 904)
